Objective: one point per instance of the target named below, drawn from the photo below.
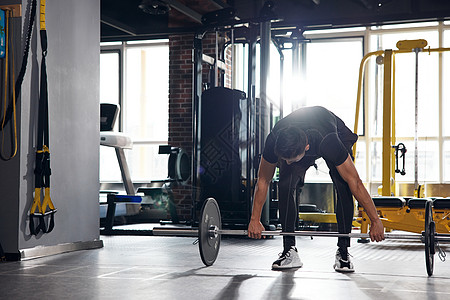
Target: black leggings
(293, 176)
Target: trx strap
(6, 116)
(9, 69)
(42, 170)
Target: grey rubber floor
(136, 267)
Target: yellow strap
(36, 201)
(42, 15)
(44, 149)
(47, 200)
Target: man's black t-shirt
(328, 137)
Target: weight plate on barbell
(429, 237)
(209, 245)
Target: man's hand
(254, 229)
(265, 175)
(376, 232)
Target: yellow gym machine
(399, 213)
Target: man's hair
(290, 142)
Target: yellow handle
(42, 15)
(37, 201)
(47, 200)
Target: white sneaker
(288, 260)
(343, 265)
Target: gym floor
(140, 267)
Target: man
(294, 144)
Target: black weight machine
(230, 126)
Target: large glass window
(405, 68)
(109, 93)
(144, 109)
(331, 82)
(331, 78)
(446, 86)
(405, 94)
(446, 107)
(332, 75)
(110, 77)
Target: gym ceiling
(150, 19)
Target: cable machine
(253, 116)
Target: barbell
(209, 233)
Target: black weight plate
(209, 245)
(429, 238)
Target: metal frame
(389, 137)
(257, 125)
(197, 56)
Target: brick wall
(180, 102)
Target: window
(332, 74)
(144, 108)
(110, 93)
(405, 83)
(331, 78)
(331, 61)
(428, 103)
(446, 107)
(446, 87)
(110, 77)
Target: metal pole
(250, 116)
(196, 117)
(265, 34)
(124, 171)
(281, 83)
(214, 232)
(175, 232)
(216, 62)
(233, 62)
(417, 237)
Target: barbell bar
(215, 231)
(209, 233)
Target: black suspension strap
(42, 170)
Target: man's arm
(349, 173)
(265, 175)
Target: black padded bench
(417, 202)
(386, 201)
(441, 203)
